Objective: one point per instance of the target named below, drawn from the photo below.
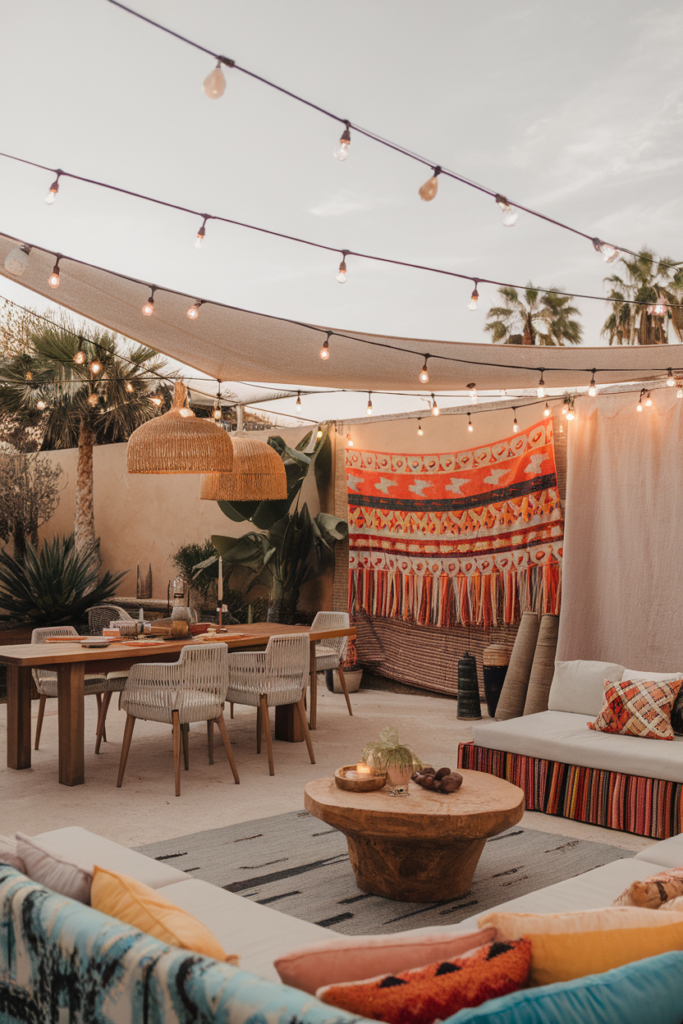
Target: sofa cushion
(638, 708)
(263, 934)
(627, 994)
(578, 686)
(668, 853)
(663, 677)
(64, 874)
(9, 855)
(77, 843)
(559, 736)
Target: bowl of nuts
(441, 781)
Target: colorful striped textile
(630, 803)
(469, 538)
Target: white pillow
(578, 686)
(655, 677)
(53, 871)
(9, 855)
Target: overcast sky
(573, 109)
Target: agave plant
(54, 583)
(389, 753)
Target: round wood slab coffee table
(424, 847)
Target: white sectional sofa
(565, 768)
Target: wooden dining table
(71, 660)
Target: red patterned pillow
(426, 994)
(638, 708)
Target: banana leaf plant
(289, 547)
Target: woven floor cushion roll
(543, 667)
(631, 803)
(513, 694)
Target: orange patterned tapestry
(472, 537)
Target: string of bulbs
(214, 86)
(658, 308)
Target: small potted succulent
(396, 760)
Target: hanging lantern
(179, 442)
(258, 474)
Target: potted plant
(397, 760)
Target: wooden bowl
(364, 785)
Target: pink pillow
(9, 855)
(55, 872)
(364, 956)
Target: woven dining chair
(267, 679)
(191, 689)
(46, 685)
(100, 616)
(330, 654)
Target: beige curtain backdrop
(622, 590)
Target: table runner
(470, 537)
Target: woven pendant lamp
(258, 474)
(179, 442)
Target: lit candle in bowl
(363, 769)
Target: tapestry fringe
(476, 600)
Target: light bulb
(592, 387)
(193, 311)
(79, 358)
(679, 393)
(29, 375)
(16, 260)
(298, 399)
(570, 414)
(325, 350)
(319, 433)
(349, 441)
(657, 309)
(93, 400)
(510, 215)
(420, 431)
(431, 187)
(469, 424)
(546, 411)
(670, 379)
(129, 388)
(424, 375)
(53, 279)
(217, 412)
(155, 400)
(540, 390)
(214, 83)
(148, 307)
(369, 408)
(565, 407)
(474, 298)
(185, 412)
(200, 238)
(341, 151)
(472, 388)
(40, 404)
(648, 400)
(52, 193)
(435, 408)
(608, 251)
(341, 276)
(95, 367)
(515, 425)
(639, 407)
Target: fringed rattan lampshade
(179, 442)
(258, 474)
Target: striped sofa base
(630, 803)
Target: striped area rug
(297, 864)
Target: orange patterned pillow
(426, 994)
(641, 708)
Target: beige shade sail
(235, 344)
(179, 442)
(258, 474)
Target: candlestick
(220, 579)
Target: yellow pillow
(563, 956)
(136, 904)
(510, 927)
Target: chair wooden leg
(258, 729)
(39, 723)
(232, 710)
(176, 750)
(304, 725)
(340, 670)
(185, 734)
(228, 748)
(98, 697)
(265, 724)
(125, 747)
(209, 733)
(101, 735)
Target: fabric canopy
(232, 344)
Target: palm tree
(535, 318)
(82, 391)
(655, 286)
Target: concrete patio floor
(145, 809)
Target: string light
(474, 298)
(369, 408)
(148, 307)
(608, 251)
(349, 441)
(341, 276)
(431, 187)
(80, 357)
(16, 260)
(53, 279)
(155, 400)
(193, 311)
(341, 151)
(420, 431)
(515, 424)
(565, 407)
(570, 410)
(472, 388)
(325, 350)
(93, 400)
(510, 216)
(540, 390)
(546, 411)
(670, 379)
(435, 408)
(53, 190)
(679, 393)
(424, 373)
(319, 433)
(199, 241)
(657, 309)
(648, 400)
(214, 83)
(129, 387)
(298, 399)
(95, 367)
(639, 407)
(40, 404)
(469, 424)
(592, 387)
